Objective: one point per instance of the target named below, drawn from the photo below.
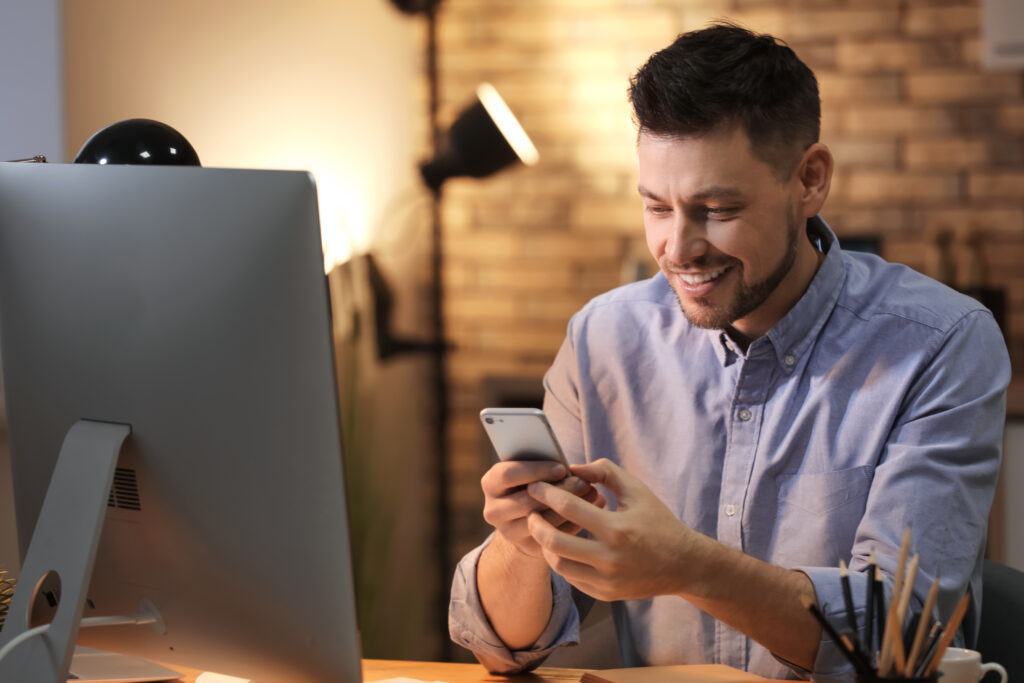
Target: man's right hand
(512, 574)
(507, 503)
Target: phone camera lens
(489, 420)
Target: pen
(947, 634)
(929, 650)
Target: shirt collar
(791, 338)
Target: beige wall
(330, 86)
(313, 84)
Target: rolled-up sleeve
(470, 628)
(937, 477)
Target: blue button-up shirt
(876, 403)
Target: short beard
(748, 297)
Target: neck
(781, 300)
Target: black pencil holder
(873, 677)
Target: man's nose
(688, 240)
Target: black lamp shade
(476, 145)
(138, 141)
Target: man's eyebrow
(713, 192)
(644, 192)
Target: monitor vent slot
(124, 494)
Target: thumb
(608, 474)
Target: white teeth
(702, 277)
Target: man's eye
(658, 210)
(721, 213)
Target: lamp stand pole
(439, 368)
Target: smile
(701, 278)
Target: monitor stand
(99, 666)
(58, 565)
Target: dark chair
(1001, 635)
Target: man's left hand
(637, 551)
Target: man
(764, 407)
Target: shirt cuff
(831, 664)
(469, 627)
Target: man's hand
(512, 578)
(641, 550)
(636, 551)
(507, 503)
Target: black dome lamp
(485, 138)
(138, 141)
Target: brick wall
(926, 141)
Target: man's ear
(815, 178)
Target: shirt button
(730, 510)
(789, 360)
(744, 414)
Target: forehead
(690, 165)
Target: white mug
(959, 665)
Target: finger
(506, 476)
(579, 574)
(571, 507)
(575, 486)
(515, 505)
(562, 544)
(608, 474)
(562, 525)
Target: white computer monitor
(184, 312)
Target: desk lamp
(138, 141)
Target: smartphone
(521, 434)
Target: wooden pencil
(922, 629)
(885, 646)
(899, 654)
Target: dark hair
(725, 74)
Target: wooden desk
(380, 669)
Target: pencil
(922, 628)
(879, 607)
(844, 577)
(846, 649)
(948, 633)
(869, 606)
(899, 654)
(886, 644)
(860, 662)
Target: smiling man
(764, 407)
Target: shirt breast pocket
(818, 515)
(824, 492)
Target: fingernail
(558, 471)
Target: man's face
(724, 228)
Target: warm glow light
(508, 124)
(342, 193)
